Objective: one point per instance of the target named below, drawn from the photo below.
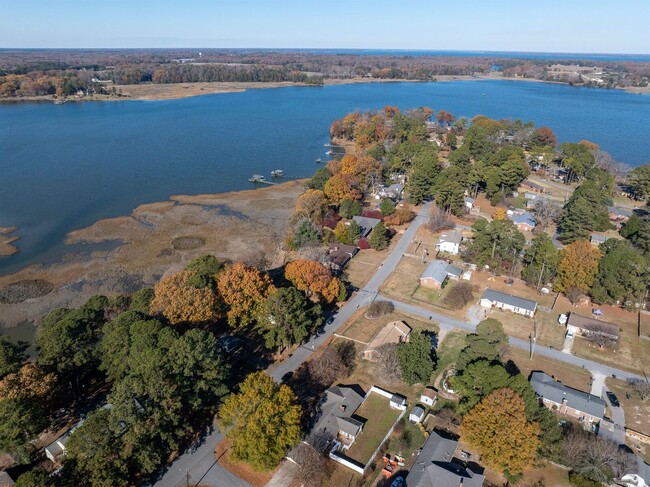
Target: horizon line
(484, 51)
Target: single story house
(524, 222)
(393, 332)
(366, 224)
(530, 186)
(56, 450)
(469, 202)
(416, 415)
(397, 401)
(436, 466)
(339, 255)
(530, 196)
(336, 422)
(618, 214)
(429, 396)
(515, 304)
(449, 241)
(591, 326)
(437, 272)
(596, 239)
(565, 400)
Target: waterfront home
(565, 400)
(437, 273)
(508, 302)
(449, 241)
(436, 466)
(394, 192)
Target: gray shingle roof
(434, 468)
(452, 236)
(547, 387)
(349, 425)
(366, 224)
(523, 218)
(438, 270)
(499, 297)
(333, 398)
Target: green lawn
(379, 418)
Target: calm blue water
(64, 167)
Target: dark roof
(525, 217)
(418, 411)
(333, 399)
(366, 224)
(499, 297)
(397, 399)
(547, 387)
(592, 325)
(434, 466)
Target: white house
(449, 241)
(429, 396)
(469, 202)
(416, 415)
(515, 304)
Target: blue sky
(491, 25)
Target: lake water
(64, 167)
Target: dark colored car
(613, 399)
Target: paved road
(201, 464)
(447, 323)
(200, 468)
(361, 298)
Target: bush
(207, 265)
(363, 243)
(580, 481)
(400, 217)
(141, 300)
(459, 296)
(349, 208)
(372, 214)
(380, 308)
(387, 207)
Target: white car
(562, 319)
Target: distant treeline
(34, 72)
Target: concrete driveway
(618, 418)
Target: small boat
(329, 152)
(327, 145)
(278, 173)
(257, 178)
(319, 160)
(60, 102)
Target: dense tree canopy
(244, 289)
(12, 355)
(540, 261)
(262, 421)
(639, 182)
(416, 358)
(498, 428)
(313, 278)
(586, 211)
(578, 267)
(496, 244)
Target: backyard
(379, 418)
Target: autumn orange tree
(578, 266)
(313, 278)
(498, 429)
(244, 289)
(262, 421)
(181, 302)
(361, 167)
(311, 204)
(340, 187)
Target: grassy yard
(379, 419)
(364, 265)
(637, 412)
(448, 351)
(549, 333)
(572, 376)
(364, 329)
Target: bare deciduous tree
(599, 335)
(459, 296)
(380, 308)
(311, 468)
(546, 212)
(641, 387)
(328, 367)
(387, 365)
(574, 294)
(439, 219)
(595, 458)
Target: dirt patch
(166, 252)
(20, 291)
(187, 243)
(240, 469)
(6, 240)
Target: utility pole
(539, 282)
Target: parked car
(229, 344)
(613, 399)
(398, 482)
